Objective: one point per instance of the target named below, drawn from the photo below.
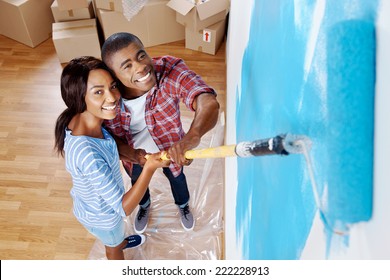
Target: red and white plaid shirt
(175, 82)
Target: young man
(149, 120)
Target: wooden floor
(36, 220)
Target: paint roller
(283, 144)
(350, 100)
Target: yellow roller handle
(216, 152)
(282, 144)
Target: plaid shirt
(175, 82)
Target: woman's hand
(157, 160)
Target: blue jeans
(178, 184)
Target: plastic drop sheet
(165, 237)
(132, 7)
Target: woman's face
(102, 96)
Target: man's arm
(206, 109)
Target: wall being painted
(314, 68)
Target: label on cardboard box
(208, 40)
(206, 36)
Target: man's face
(134, 68)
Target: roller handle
(283, 144)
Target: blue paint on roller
(351, 84)
(331, 101)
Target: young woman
(91, 155)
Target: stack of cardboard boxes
(78, 27)
(154, 24)
(26, 21)
(204, 21)
(75, 31)
(72, 10)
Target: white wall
(378, 230)
(239, 21)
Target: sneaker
(134, 241)
(141, 220)
(187, 220)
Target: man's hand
(206, 109)
(176, 151)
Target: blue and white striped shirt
(98, 187)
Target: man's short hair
(115, 43)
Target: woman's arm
(132, 198)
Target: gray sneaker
(187, 220)
(141, 219)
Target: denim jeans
(110, 238)
(178, 184)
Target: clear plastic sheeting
(132, 7)
(165, 237)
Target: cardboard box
(112, 22)
(207, 40)
(155, 24)
(198, 16)
(76, 38)
(109, 5)
(75, 14)
(26, 21)
(65, 5)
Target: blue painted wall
(309, 68)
